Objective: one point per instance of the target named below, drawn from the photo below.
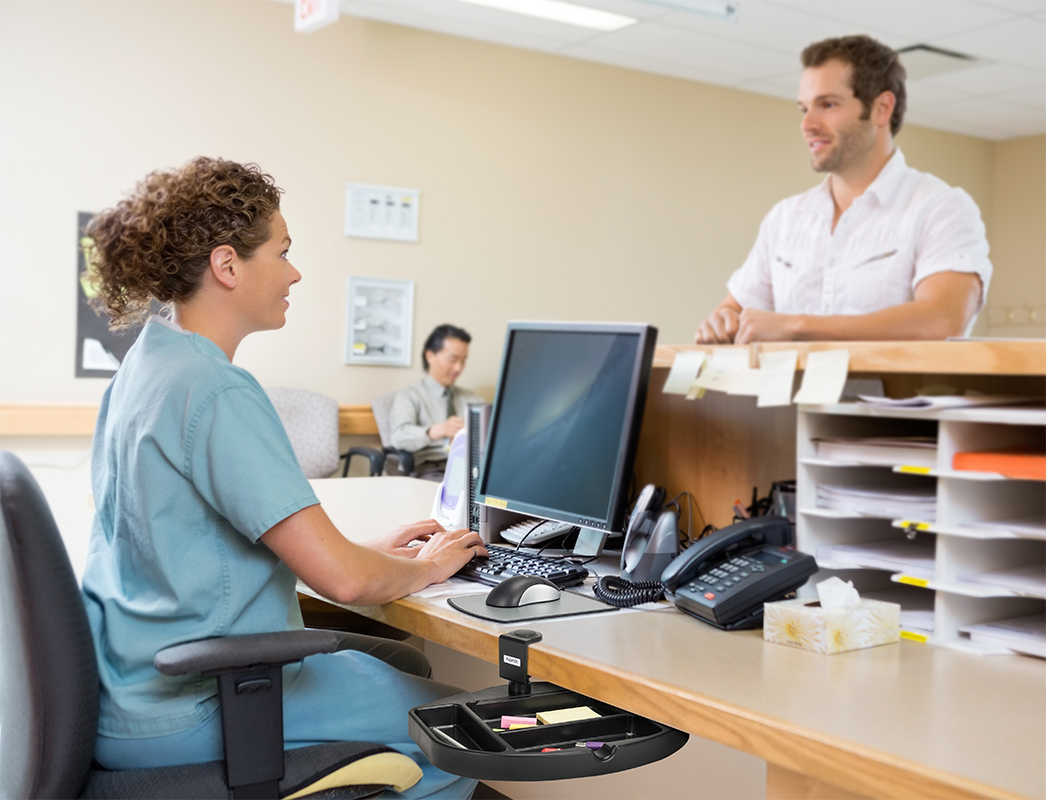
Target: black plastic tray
(470, 720)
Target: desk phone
(725, 578)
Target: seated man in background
(878, 250)
(426, 416)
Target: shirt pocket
(795, 282)
(880, 277)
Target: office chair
(49, 689)
(311, 422)
(382, 408)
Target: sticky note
(684, 370)
(566, 715)
(825, 377)
(778, 374)
(517, 722)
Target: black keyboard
(504, 562)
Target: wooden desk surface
(906, 720)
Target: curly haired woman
(204, 519)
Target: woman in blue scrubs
(204, 519)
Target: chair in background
(49, 689)
(311, 422)
(382, 408)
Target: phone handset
(760, 530)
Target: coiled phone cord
(621, 593)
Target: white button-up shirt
(906, 226)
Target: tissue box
(804, 623)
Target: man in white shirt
(426, 416)
(878, 250)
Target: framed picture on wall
(99, 351)
(379, 321)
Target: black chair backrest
(48, 673)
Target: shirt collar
(888, 181)
(434, 387)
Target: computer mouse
(522, 590)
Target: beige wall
(551, 188)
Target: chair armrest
(404, 457)
(372, 454)
(227, 653)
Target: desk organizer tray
(471, 720)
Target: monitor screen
(565, 422)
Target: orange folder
(1013, 462)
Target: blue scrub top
(190, 466)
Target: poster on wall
(99, 351)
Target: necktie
(449, 395)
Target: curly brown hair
(874, 69)
(157, 242)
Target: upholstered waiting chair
(311, 422)
(49, 689)
(382, 408)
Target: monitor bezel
(613, 521)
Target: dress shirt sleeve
(405, 419)
(953, 239)
(752, 284)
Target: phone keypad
(725, 576)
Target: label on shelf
(912, 636)
(915, 470)
(913, 581)
(909, 524)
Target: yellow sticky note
(566, 715)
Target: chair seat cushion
(337, 770)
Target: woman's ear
(224, 265)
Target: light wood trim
(931, 358)
(47, 420)
(355, 420)
(854, 768)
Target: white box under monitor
(379, 321)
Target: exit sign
(311, 15)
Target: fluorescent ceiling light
(558, 11)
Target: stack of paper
(1029, 579)
(948, 401)
(1021, 634)
(916, 501)
(916, 606)
(915, 451)
(911, 556)
(1033, 526)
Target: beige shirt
(419, 407)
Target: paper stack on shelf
(1029, 579)
(1021, 634)
(1027, 463)
(910, 500)
(913, 557)
(947, 401)
(916, 606)
(1032, 526)
(915, 451)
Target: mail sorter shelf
(982, 528)
(470, 720)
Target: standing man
(878, 250)
(426, 416)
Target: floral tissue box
(805, 623)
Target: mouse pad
(567, 605)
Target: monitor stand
(590, 542)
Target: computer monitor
(565, 421)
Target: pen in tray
(446, 737)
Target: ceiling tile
(1035, 96)
(987, 79)
(914, 19)
(1021, 41)
(923, 95)
(1017, 6)
(981, 131)
(992, 113)
(780, 90)
(779, 27)
(647, 64)
(693, 49)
